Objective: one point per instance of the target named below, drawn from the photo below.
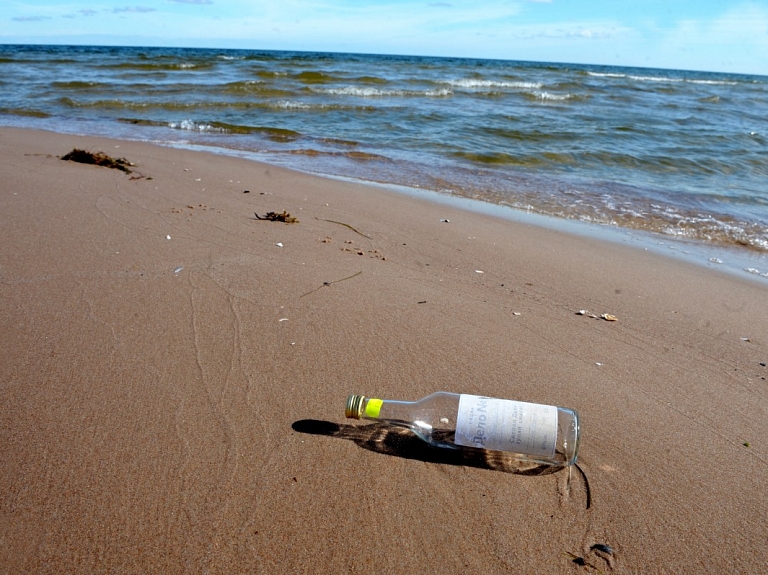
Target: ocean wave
(25, 112)
(288, 105)
(670, 79)
(339, 142)
(519, 160)
(274, 134)
(193, 126)
(712, 82)
(606, 74)
(367, 92)
(256, 87)
(142, 122)
(310, 77)
(77, 85)
(635, 213)
(535, 152)
(124, 104)
(530, 135)
(715, 229)
(551, 97)
(353, 155)
(655, 79)
(314, 77)
(159, 66)
(312, 106)
(46, 61)
(371, 80)
(472, 83)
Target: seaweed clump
(98, 159)
(275, 217)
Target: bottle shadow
(401, 442)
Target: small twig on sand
(329, 283)
(346, 226)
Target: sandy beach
(173, 374)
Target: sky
(710, 35)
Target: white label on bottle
(506, 425)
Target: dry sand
(177, 405)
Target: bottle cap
(354, 406)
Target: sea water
(678, 154)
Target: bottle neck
(391, 411)
(361, 407)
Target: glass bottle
(543, 434)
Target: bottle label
(506, 425)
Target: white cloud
(746, 23)
(736, 40)
(565, 30)
(30, 18)
(134, 9)
(359, 26)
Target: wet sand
(174, 373)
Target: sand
(173, 374)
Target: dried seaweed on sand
(98, 159)
(275, 217)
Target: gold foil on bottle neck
(354, 407)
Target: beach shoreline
(174, 374)
(670, 152)
(744, 262)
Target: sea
(676, 158)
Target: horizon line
(392, 54)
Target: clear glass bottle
(543, 434)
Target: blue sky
(714, 35)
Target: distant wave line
(662, 79)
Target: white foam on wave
(550, 97)
(438, 93)
(756, 272)
(655, 79)
(358, 91)
(713, 82)
(670, 79)
(368, 92)
(607, 74)
(288, 105)
(293, 105)
(473, 83)
(193, 126)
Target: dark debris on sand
(275, 217)
(98, 159)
